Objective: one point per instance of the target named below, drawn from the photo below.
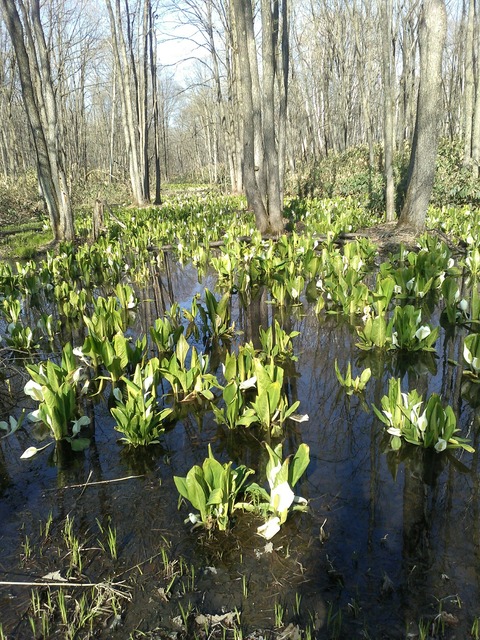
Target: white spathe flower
(147, 383)
(397, 288)
(410, 284)
(248, 384)
(441, 445)
(395, 339)
(270, 528)
(77, 375)
(294, 293)
(34, 390)
(393, 431)
(29, 453)
(423, 332)
(273, 474)
(450, 263)
(422, 422)
(388, 415)
(366, 313)
(281, 497)
(467, 354)
(463, 305)
(34, 416)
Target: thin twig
(91, 484)
(86, 483)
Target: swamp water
(388, 549)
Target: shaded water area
(390, 539)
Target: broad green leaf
(216, 497)
(299, 464)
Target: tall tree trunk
(261, 117)
(155, 110)
(432, 33)
(33, 61)
(128, 80)
(254, 197)
(469, 92)
(388, 102)
(476, 110)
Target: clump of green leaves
(55, 388)
(216, 317)
(254, 394)
(408, 418)
(282, 476)
(188, 373)
(213, 490)
(277, 343)
(137, 415)
(353, 385)
(471, 355)
(408, 332)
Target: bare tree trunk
(254, 197)
(388, 102)
(476, 111)
(262, 126)
(130, 113)
(432, 33)
(112, 123)
(273, 191)
(143, 102)
(469, 84)
(40, 104)
(155, 111)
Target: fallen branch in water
(91, 484)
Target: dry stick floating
(91, 484)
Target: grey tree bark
(469, 91)
(34, 66)
(476, 106)
(421, 173)
(262, 119)
(388, 65)
(133, 99)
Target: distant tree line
(277, 86)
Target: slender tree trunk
(476, 111)
(254, 197)
(262, 109)
(155, 111)
(469, 92)
(130, 112)
(112, 122)
(432, 33)
(388, 102)
(40, 105)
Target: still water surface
(388, 540)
